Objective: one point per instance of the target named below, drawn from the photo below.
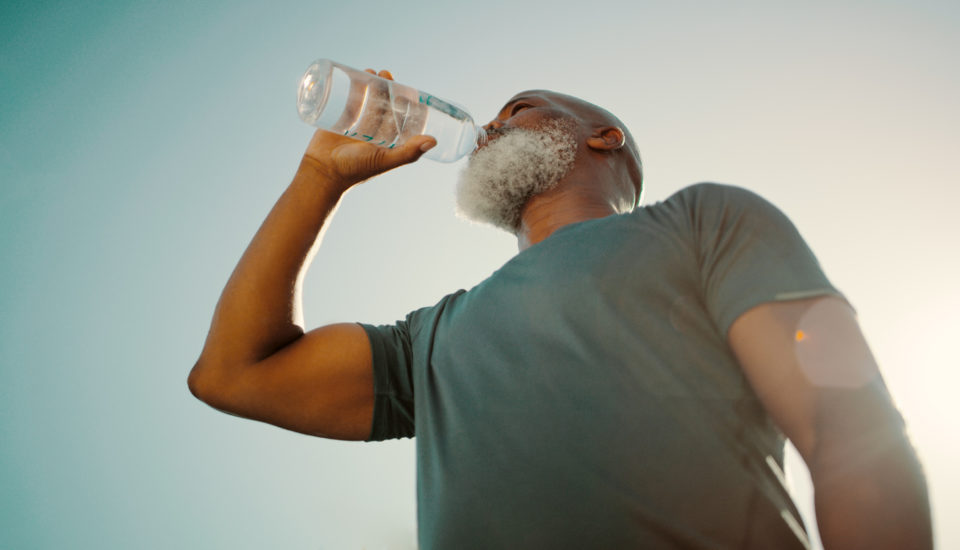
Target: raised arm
(257, 361)
(811, 368)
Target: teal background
(142, 143)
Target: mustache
(497, 133)
(489, 135)
(501, 131)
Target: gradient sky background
(142, 143)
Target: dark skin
(259, 362)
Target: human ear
(606, 138)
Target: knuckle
(379, 157)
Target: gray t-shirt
(584, 395)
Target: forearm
(872, 494)
(259, 310)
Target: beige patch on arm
(796, 352)
(830, 348)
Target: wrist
(318, 173)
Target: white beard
(500, 178)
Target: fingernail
(427, 145)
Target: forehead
(558, 99)
(543, 95)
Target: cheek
(537, 117)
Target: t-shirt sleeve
(393, 408)
(748, 252)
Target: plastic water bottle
(366, 107)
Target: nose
(494, 124)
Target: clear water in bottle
(366, 107)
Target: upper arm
(812, 370)
(320, 384)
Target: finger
(382, 74)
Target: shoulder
(714, 194)
(713, 204)
(707, 205)
(427, 316)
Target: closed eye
(519, 107)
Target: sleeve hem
(737, 311)
(379, 379)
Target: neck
(549, 211)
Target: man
(625, 381)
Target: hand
(346, 161)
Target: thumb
(410, 151)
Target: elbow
(213, 384)
(194, 381)
(200, 382)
